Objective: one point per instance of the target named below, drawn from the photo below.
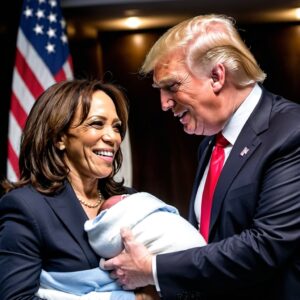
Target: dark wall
(277, 50)
(164, 156)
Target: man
(209, 79)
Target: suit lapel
(68, 209)
(244, 147)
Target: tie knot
(221, 141)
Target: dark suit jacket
(254, 250)
(38, 231)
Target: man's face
(191, 98)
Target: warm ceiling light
(133, 22)
(298, 13)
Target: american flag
(42, 58)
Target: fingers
(127, 237)
(113, 263)
(102, 264)
(132, 247)
(125, 283)
(126, 234)
(110, 264)
(133, 267)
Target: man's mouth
(180, 114)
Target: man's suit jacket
(38, 231)
(254, 250)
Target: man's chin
(189, 130)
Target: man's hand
(133, 267)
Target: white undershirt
(231, 131)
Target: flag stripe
(65, 72)
(18, 111)
(13, 160)
(21, 92)
(60, 75)
(68, 67)
(27, 75)
(11, 174)
(15, 135)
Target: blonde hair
(206, 41)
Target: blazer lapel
(68, 209)
(244, 147)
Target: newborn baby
(154, 223)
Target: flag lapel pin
(244, 151)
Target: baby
(112, 201)
(154, 223)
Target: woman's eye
(96, 124)
(118, 127)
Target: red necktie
(215, 167)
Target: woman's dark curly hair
(41, 163)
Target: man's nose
(166, 100)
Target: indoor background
(103, 44)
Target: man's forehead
(171, 58)
(168, 70)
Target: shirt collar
(237, 121)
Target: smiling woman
(70, 152)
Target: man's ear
(60, 144)
(218, 77)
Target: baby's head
(108, 203)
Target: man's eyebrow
(156, 86)
(164, 83)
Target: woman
(70, 152)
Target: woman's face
(90, 148)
